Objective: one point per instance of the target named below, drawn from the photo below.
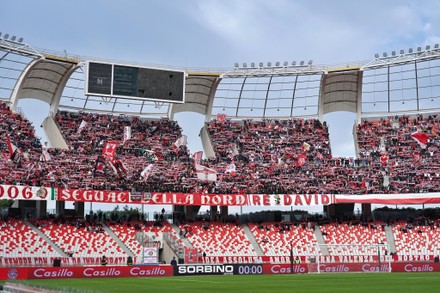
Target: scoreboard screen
(142, 83)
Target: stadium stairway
(118, 241)
(185, 240)
(46, 238)
(390, 238)
(252, 239)
(320, 238)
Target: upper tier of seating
(391, 159)
(269, 155)
(293, 156)
(16, 168)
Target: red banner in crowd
(190, 199)
(83, 195)
(109, 150)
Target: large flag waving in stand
(181, 141)
(81, 126)
(205, 173)
(421, 138)
(13, 150)
(109, 150)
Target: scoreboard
(115, 80)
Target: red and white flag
(127, 133)
(81, 126)
(197, 157)
(109, 150)
(100, 165)
(147, 171)
(421, 138)
(231, 169)
(181, 141)
(204, 173)
(119, 168)
(301, 160)
(13, 150)
(45, 154)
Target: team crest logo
(277, 199)
(12, 274)
(42, 192)
(147, 197)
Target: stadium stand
(81, 238)
(127, 231)
(19, 240)
(353, 233)
(392, 161)
(217, 238)
(415, 239)
(277, 239)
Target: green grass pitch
(335, 282)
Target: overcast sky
(218, 33)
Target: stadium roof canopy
(403, 82)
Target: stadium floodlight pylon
(342, 258)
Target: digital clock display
(248, 269)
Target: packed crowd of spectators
(393, 161)
(293, 156)
(14, 165)
(267, 156)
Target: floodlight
(286, 63)
(13, 38)
(252, 64)
(376, 55)
(277, 64)
(393, 53)
(310, 62)
(269, 64)
(6, 36)
(402, 51)
(294, 63)
(419, 49)
(261, 64)
(301, 63)
(244, 64)
(385, 54)
(236, 64)
(410, 50)
(436, 46)
(428, 47)
(20, 40)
